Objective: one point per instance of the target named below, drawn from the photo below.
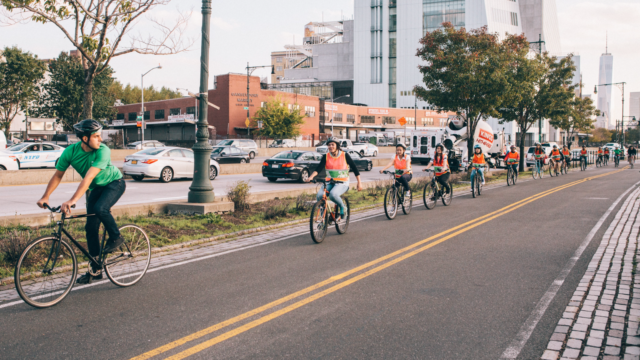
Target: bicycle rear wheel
(429, 196)
(407, 204)
(318, 222)
(343, 224)
(45, 272)
(391, 202)
(127, 265)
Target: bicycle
(583, 163)
(433, 191)
(617, 160)
(392, 196)
(599, 162)
(511, 175)
(606, 160)
(537, 172)
(552, 168)
(320, 218)
(47, 268)
(478, 184)
(632, 159)
(564, 168)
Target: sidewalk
(603, 317)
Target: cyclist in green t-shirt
(101, 181)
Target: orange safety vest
(478, 159)
(337, 167)
(583, 152)
(440, 167)
(512, 156)
(606, 152)
(555, 154)
(566, 152)
(402, 166)
(599, 151)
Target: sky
(248, 30)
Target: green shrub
(238, 193)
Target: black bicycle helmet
(87, 127)
(332, 140)
(402, 145)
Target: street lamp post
(201, 190)
(620, 86)
(142, 103)
(332, 100)
(250, 70)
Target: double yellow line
(408, 252)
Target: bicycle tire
(473, 188)
(551, 171)
(319, 223)
(535, 173)
(406, 207)
(446, 198)
(429, 196)
(391, 200)
(28, 282)
(479, 187)
(343, 224)
(131, 260)
(509, 174)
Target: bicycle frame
(326, 200)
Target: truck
(454, 138)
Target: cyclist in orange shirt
(556, 158)
(566, 154)
(512, 159)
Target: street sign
(402, 121)
(247, 122)
(139, 118)
(259, 124)
(139, 124)
(246, 108)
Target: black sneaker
(113, 244)
(88, 278)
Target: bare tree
(98, 28)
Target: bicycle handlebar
(55, 209)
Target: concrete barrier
(119, 155)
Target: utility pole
(250, 70)
(539, 42)
(142, 104)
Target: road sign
(246, 108)
(247, 122)
(139, 124)
(139, 118)
(259, 124)
(402, 121)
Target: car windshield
(152, 151)
(277, 142)
(531, 150)
(292, 155)
(322, 143)
(225, 142)
(18, 147)
(217, 150)
(135, 143)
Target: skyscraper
(605, 76)
(634, 105)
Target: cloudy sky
(248, 30)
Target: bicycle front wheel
(128, 264)
(343, 224)
(318, 222)
(391, 203)
(45, 272)
(509, 176)
(407, 203)
(552, 170)
(429, 196)
(479, 187)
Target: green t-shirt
(81, 161)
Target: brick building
(230, 94)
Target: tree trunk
(522, 154)
(87, 99)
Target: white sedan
(36, 155)
(165, 164)
(8, 162)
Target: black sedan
(363, 164)
(293, 164)
(229, 155)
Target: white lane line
(530, 324)
(597, 198)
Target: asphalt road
(463, 296)
(22, 199)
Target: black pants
(404, 180)
(99, 202)
(444, 181)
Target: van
(3, 141)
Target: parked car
(165, 163)
(283, 143)
(147, 144)
(3, 141)
(64, 140)
(36, 155)
(365, 149)
(229, 155)
(8, 162)
(344, 145)
(291, 164)
(530, 159)
(361, 162)
(247, 145)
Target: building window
(388, 119)
(310, 111)
(278, 68)
(376, 41)
(514, 19)
(120, 116)
(133, 116)
(278, 59)
(427, 121)
(337, 117)
(436, 12)
(147, 115)
(174, 111)
(191, 110)
(159, 114)
(366, 119)
(351, 118)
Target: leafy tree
(132, 94)
(579, 118)
(97, 28)
(62, 95)
(278, 122)
(20, 76)
(464, 73)
(540, 88)
(600, 135)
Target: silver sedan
(165, 164)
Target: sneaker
(407, 194)
(88, 278)
(112, 245)
(482, 182)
